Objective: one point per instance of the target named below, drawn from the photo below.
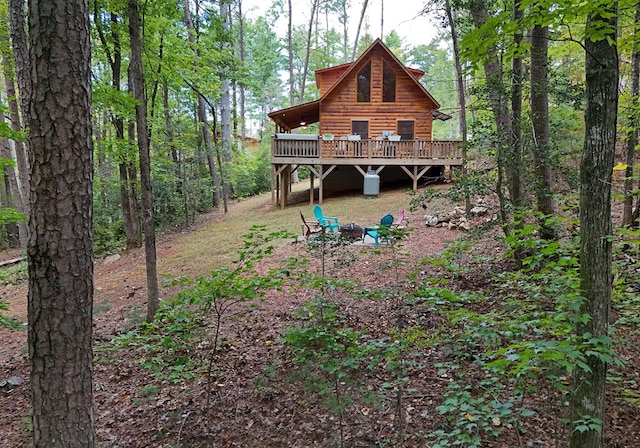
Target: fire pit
(351, 231)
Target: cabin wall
(341, 106)
(328, 77)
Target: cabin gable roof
(330, 81)
(366, 55)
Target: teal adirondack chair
(380, 231)
(330, 222)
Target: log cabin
(373, 114)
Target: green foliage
(9, 215)
(251, 172)
(166, 345)
(9, 322)
(14, 274)
(474, 412)
(473, 184)
(328, 351)
(107, 239)
(7, 133)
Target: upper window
(405, 129)
(388, 83)
(364, 84)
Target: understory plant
(329, 354)
(195, 316)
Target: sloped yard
(330, 345)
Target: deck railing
(291, 148)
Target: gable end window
(388, 83)
(406, 129)
(364, 84)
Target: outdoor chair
(382, 231)
(330, 222)
(400, 221)
(310, 227)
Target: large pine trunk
(588, 398)
(60, 256)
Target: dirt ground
(248, 400)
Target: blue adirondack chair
(330, 222)
(380, 231)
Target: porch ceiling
(292, 117)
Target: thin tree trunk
(128, 192)
(632, 134)
(344, 20)
(21, 58)
(381, 19)
(202, 113)
(290, 52)
(19, 191)
(540, 122)
(514, 157)
(60, 253)
(355, 42)
(241, 51)
(137, 76)
(225, 110)
(460, 94)
(20, 47)
(303, 80)
(11, 190)
(589, 383)
(499, 105)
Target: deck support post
(312, 175)
(274, 186)
(312, 178)
(416, 174)
(286, 186)
(321, 186)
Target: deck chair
(309, 227)
(380, 231)
(400, 221)
(330, 222)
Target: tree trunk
(460, 94)
(137, 76)
(541, 151)
(128, 190)
(500, 107)
(355, 42)
(292, 96)
(19, 191)
(129, 207)
(18, 34)
(23, 71)
(588, 397)
(60, 255)
(344, 20)
(514, 150)
(632, 134)
(202, 113)
(225, 112)
(303, 80)
(7, 192)
(241, 51)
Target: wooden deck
(365, 152)
(321, 157)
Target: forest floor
(250, 392)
